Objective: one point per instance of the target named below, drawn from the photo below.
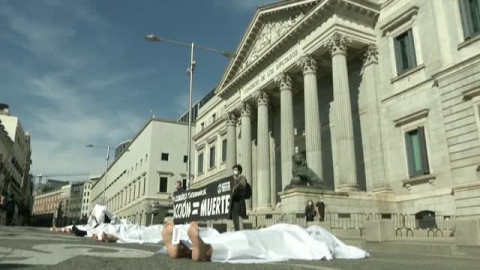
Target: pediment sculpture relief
(270, 33)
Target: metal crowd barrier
(405, 224)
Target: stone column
(313, 141)
(231, 122)
(337, 46)
(286, 127)
(254, 175)
(263, 154)
(374, 153)
(246, 143)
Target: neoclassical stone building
(382, 97)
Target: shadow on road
(15, 266)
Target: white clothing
(276, 243)
(280, 242)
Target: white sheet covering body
(276, 243)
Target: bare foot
(200, 251)
(174, 251)
(110, 238)
(167, 234)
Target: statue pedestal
(294, 201)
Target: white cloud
(119, 78)
(61, 130)
(66, 117)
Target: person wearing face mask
(238, 207)
(310, 211)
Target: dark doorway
(425, 219)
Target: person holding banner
(179, 186)
(238, 208)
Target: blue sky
(80, 71)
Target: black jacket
(10, 206)
(238, 199)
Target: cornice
(208, 128)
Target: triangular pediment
(271, 32)
(269, 24)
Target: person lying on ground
(99, 215)
(279, 242)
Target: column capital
(284, 81)
(307, 64)
(230, 119)
(371, 55)
(262, 98)
(245, 109)
(337, 44)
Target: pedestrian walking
(310, 211)
(321, 210)
(10, 210)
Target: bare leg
(174, 251)
(200, 250)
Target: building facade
(87, 186)
(15, 162)
(140, 182)
(75, 202)
(381, 98)
(46, 208)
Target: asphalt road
(37, 248)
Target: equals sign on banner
(195, 208)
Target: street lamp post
(104, 202)
(192, 46)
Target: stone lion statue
(302, 175)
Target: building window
(405, 57)
(165, 156)
(214, 117)
(416, 148)
(200, 163)
(470, 13)
(163, 184)
(212, 157)
(224, 150)
(184, 183)
(185, 159)
(202, 125)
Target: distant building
(196, 107)
(87, 185)
(51, 185)
(46, 208)
(141, 180)
(76, 201)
